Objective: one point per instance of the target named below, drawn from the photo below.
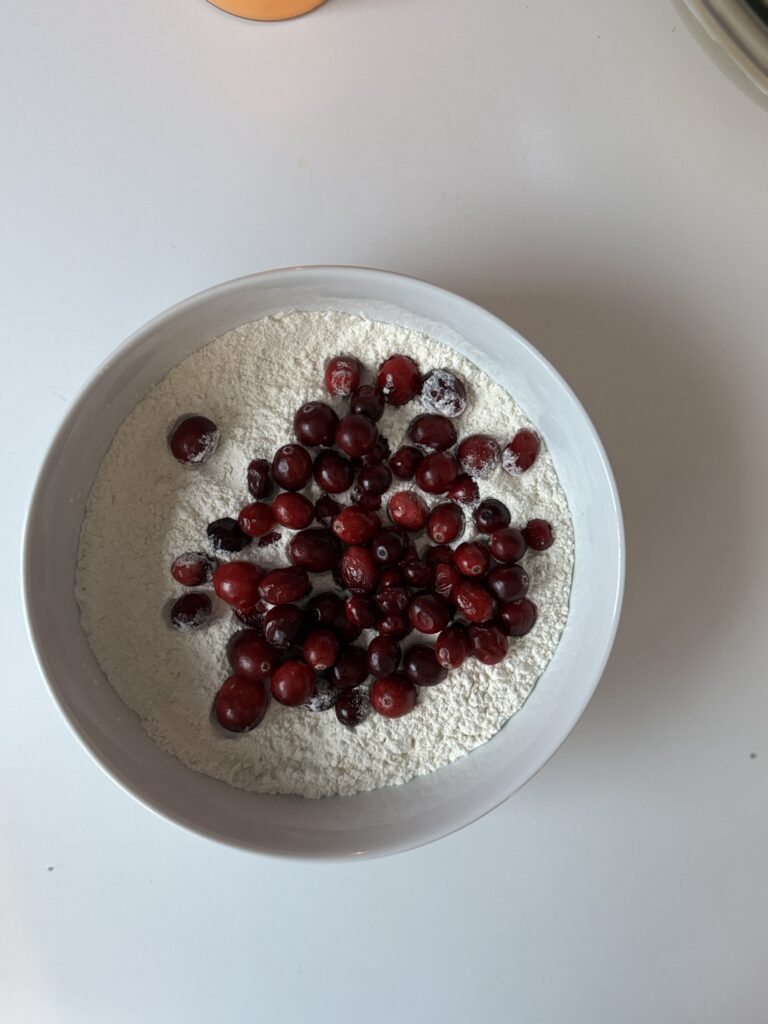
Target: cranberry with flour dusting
(324, 697)
(342, 376)
(521, 452)
(226, 535)
(442, 392)
(352, 708)
(240, 704)
(193, 568)
(479, 455)
(399, 379)
(193, 440)
(326, 508)
(464, 490)
(191, 611)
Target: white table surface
(587, 172)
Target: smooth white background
(589, 173)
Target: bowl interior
(385, 820)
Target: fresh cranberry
(316, 550)
(517, 617)
(390, 578)
(193, 568)
(447, 579)
(383, 656)
(315, 424)
(326, 508)
(367, 401)
(378, 454)
(445, 522)
(371, 502)
(464, 490)
(250, 655)
(479, 455)
(452, 647)
(508, 544)
(353, 707)
(293, 510)
(356, 525)
(393, 696)
(491, 515)
(284, 626)
(405, 462)
(292, 467)
(237, 583)
(407, 509)
(191, 611)
(252, 615)
(435, 433)
(374, 480)
(194, 439)
(508, 582)
(521, 452)
(436, 553)
(351, 668)
(436, 472)
(269, 539)
(260, 478)
(399, 379)
(538, 535)
(226, 535)
(342, 376)
(472, 558)
(292, 683)
(474, 602)
(396, 626)
(422, 667)
(391, 599)
(489, 645)
(429, 613)
(321, 648)
(325, 608)
(240, 704)
(347, 631)
(324, 697)
(280, 586)
(256, 519)
(359, 571)
(418, 573)
(442, 392)
(360, 611)
(333, 472)
(356, 435)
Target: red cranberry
(237, 583)
(325, 608)
(378, 454)
(383, 656)
(372, 502)
(374, 480)
(479, 455)
(260, 478)
(435, 433)
(194, 439)
(193, 568)
(521, 452)
(315, 424)
(191, 611)
(508, 582)
(256, 519)
(333, 472)
(359, 571)
(360, 611)
(342, 376)
(284, 626)
(281, 586)
(321, 648)
(293, 510)
(356, 525)
(442, 392)
(489, 645)
(367, 401)
(508, 544)
(437, 553)
(445, 522)
(407, 509)
(240, 704)
(292, 467)
(250, 655)
(391, 599)
(447, 579)
(292, 683)
(464, 490)
(356, 434)
(429, 613)
(390, 578)
(324, 697)
(474, 602)
(351, 668)
(472, 558)
(399, 379)
(269, 539)
(393, 696)
(226, 535)
(396, 626)
(316, 550)
(326, 508)
(353, 707)
(252, 615)
(418, 573)
(491, 515)
(421, 666)
(347, 631)
(452, 647)
(405, 462)
(538, 535)
(436, 472)
(517, 617)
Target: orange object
(267, 10)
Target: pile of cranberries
(303, 647)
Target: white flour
(145, 509)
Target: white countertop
(587, 172)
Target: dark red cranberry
(378, 454)
(399, 379)
(464, 490)
(355, 525)
(447, 579)
(260, 478)
(281, 586)
(508, 544)
(315, 424)
(538, 535)
(479, 455)
(333, 472)
(491, 515)
(252, 615)
(383, 656)
(436, 553)
(472, 558)
(324, 697)
(293, 510)
(316, 550)
(250, 655)
(452, 647)
(326, 508)
(292, 683)
(194, 439)
(256, 519)
(389, 546)
(421, 666)
(347, 631)
(393, 696)
(474, 602)
(325, 608)
(407, 510)
(240, 704)
(342, 376)
(445, 522)
(391, 599)
(521, 452)
(429, 613)
(359, 571)
(321, 648)
(405, 462)
(237, 583)
(442, 392)
(269, 539)
(396, 626)
(489, 645)
(390, 578)
(434, 433)
(284, 626)
(356, 435)
(418, 573)
(353, 707)
(226, 535)
(191, 611)
(360, 611)
(193, 568)
(518, 617)
(351, 668)
(367, 401)
(374, 480)
(436, 472)
(292, 467)
(372, 502)
(508, 582)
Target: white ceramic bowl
(386, 820)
